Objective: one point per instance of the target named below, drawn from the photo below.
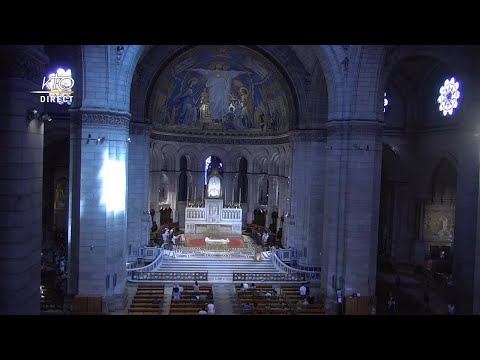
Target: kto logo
(58, 86)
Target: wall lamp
(101, 140)
(35, 115)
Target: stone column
(252, 196)
(270, 201)
(21, 171)
(99, 212)
(465, 236)
(307, 191)
(402, 223)
(352, 199)
(138, 217)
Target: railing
(265, 277)
(171, 276)
(149, 267)
(306, 267)
(308, 275)
(231, 214)
(195, 214)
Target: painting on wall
(230, 88)
(439, 223)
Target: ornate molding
(220, 140)
(319, 135)
(119, 50)
(358, 128)
(140, 129)
(105, 119)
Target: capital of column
(319, 135)
(105, 119)
(140, 128)
(354, 128)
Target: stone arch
(290, 59)
(217, 151)
(193, 160)
(365, 77)
(329, 58)
(236, 154)
(169, 152)
(428, 166)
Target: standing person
(262, 121)
(340, 301)
(196, 287)
(391, 304)
(211, 308)
(451, 309)
(303, 290)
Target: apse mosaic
(229, 88)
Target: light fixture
(101, 140)
(129, 140)
(33, 114)
(89, 138)
(45, 117)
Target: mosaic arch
(227, 88)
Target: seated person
(203, 311)
(247, 306)
(176, 294)
(245, 286)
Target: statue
(213, 187)
(219, 82)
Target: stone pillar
(352, 199)
(306, 211)
(178, 212)
(465, 238)
(402, 223)
(21, 171)
(99, 214)
(229, 186)
(270, 201)
(248, 211)
(282, 205)
(155, 177)
(138, 216)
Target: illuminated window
(386, 102)
(449, 96)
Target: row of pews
(263, 299)
(148, 300)
(266, 300)
(291, 293)
(187, 305)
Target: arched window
(212, 162)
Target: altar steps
(218, 269)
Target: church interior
(239, 180)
